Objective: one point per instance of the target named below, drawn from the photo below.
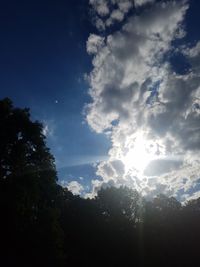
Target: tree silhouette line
(44, 224)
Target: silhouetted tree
(119, 203)
(28, 191)
(43, 224)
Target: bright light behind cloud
(150, 113)
(141, 152)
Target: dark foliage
(43, 224)
(30, 228)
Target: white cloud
(193, 54)
(142, 2)
(94, 43)
(116, 15)
(125, 6)
(193, 51)
(99, 23)
(45, 130)
(48, 128)
(107, 12)
(96, 185)
(125, 65)
(75, 187)
(188, 197)
(136, 93)
(100, 6)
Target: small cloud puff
(94, 43)
(110, 11)
(75, 187)
(48, 128)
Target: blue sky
(43, 60)
(48, 48)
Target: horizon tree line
(44, 224)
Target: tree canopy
(28, 189)
(43, 224)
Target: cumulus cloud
(107, 12)
(105, 7)
(125, 66)
(94, 43)
(75, 187)
(140, 102)
(100, 6)
(96, 185)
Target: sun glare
(139, 155)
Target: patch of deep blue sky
(42, 62)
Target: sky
(116, 85)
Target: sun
(140, 153)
